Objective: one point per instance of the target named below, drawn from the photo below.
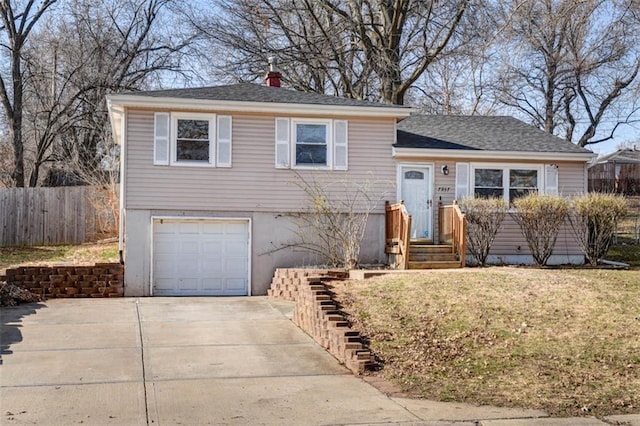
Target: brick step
(435, 265)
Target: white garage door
(200, 257)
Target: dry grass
(85, 254)
(628, 230)
(565, 341)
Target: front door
(415, 187)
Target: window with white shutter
(192, 139)
(311, 143)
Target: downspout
(122, 125)
(123, 156)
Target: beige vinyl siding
(253, 183)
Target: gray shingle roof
(250, 92)
(621, 156)
(478, 133)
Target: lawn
(564, 341)
(84, 254)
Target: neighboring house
(618, 172)
(208, 178)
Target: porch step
(430, 248)
(422, 252)
(432, 256)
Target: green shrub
(593, 219)
(484, 217)
(540, 218)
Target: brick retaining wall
(99, 280)
(317, 314)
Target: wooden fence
(48, 216)
(615, 178)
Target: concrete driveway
(168, 361)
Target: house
(208, 178)
(617, 172)
(461, 156)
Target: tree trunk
(15, 131)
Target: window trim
(328, 123)
(173, 143)
(506, 167)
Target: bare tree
(365, 49)
(92, 49)
(18, 21)
(568, 65)
(6, 161)
(336, 217)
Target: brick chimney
(273, 76)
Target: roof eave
(491, 155)
(113, 111)
(137, 101)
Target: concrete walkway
(191, 361)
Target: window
(192, 140)
(189, 139)
(311, 143)
(488, 183)
(414, 174)
(522, 182)
(509, 183)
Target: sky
(628, 133)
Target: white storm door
(415, 187)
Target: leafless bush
(102, 174)
(335, 221)
(484, 217)
(540, 218)
(594, 219)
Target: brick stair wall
(99, 280)
(317, 314)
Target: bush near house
(484, 217)
(540, 218)
(594, 218)
(335, 220)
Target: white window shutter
(283, 153)
(551, 179)
(462, 180)
(224, 141)
(161, 138)
(340, 145)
